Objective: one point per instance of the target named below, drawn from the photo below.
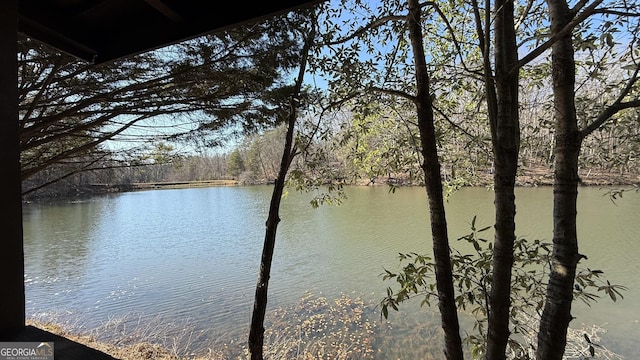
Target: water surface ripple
(194, 253)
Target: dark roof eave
(98, 33)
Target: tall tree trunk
(433, 181)
(557, 311)
(506, 144)
(256, 332)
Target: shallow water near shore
(193, 254)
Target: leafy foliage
(472, 280)
(84, 116)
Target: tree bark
(557, 311)
(506, 145)
(433, 184)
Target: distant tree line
(366, 151)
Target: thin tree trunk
(433, 182)
(256, 332)
(506, 145)
(557, 311)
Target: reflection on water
(194, 253)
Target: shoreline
(137, 351)
(532, 177)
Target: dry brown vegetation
(138, 351)
(312, 328)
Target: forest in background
(209, 109)
(382, 154)
(66, 143)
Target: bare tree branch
(577, 20)
(614, 108)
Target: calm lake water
(194, 253)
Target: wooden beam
(12, 302)
(165, 10)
